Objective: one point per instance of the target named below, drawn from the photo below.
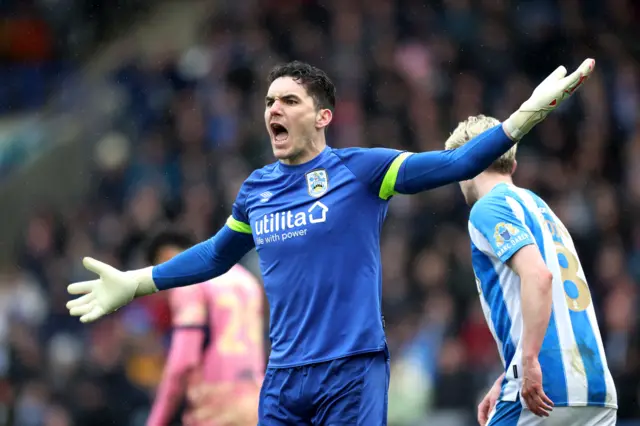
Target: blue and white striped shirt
(572, 356)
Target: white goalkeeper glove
(545, 98)
(110, 292)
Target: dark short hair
(167, 238)
(315, 81)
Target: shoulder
(238, 279)
(504, 198)
(487, 205)
(185, 296)
(260, 173)
(500, 205)
(240, 273)
(355, 153)
(251, 182)
(246, 281)
(188, 306)
(348, 152)
(377, 168)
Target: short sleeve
(376, 167)
(188, 307)
(239, 219)
(496, 221)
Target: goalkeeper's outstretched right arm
(114, 289)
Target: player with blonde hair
(536, 302)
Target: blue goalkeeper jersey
(316, 229)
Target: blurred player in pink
(216, 361)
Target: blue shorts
(346, 391)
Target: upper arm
(185, 353)
(239, 222)
(505, 232)
(239, 219)
(189, 317)
(528, 261)
(188, 307)
(376, 167)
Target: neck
(313, 148)
(486, 181)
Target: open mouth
(280, 133)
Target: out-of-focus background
(120, 116)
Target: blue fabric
(432, 169)
(346, 391)
(203, 261)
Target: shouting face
(294, 121)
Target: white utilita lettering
(285, 225)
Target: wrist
(523, 120)
(144, 280)
(529, 357)
(519, 124)
(510, 129)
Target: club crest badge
(317, 182)
(503, 233)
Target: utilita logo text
(285, 225)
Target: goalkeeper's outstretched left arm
(428, 170)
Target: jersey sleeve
(188, 307)
(377, 168)
(432, 169)
(239, 219)
(204, 261)
(496, 221)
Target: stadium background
(118, 117)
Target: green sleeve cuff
(238, 226)
(387, 189)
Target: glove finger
(82, 300)
(95, 313)
(82, 287)
(96, 266)
(586, 67)
(78, 311)
(579, 76)
(557, 74)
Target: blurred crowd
(190, 129)
(44, 41)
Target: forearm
(168, 398)
(428, 170)
(183, 358)
(203, 261)
(536, 300)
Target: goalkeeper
(315, 218)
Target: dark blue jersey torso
(316, 229)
